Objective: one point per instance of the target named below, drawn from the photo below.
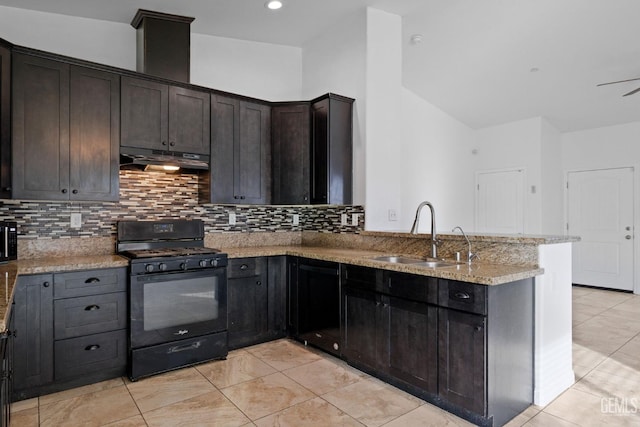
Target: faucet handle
(471, 256)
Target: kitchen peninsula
(516, 261)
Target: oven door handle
(186, 347)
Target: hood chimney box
(163, 44)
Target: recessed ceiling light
(273, 4)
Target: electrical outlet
(355, 219)
(232, 218)
(344, 219)
(393, 216)
(295, 219)
(76, 220)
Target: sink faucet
(470, 255)
(434, 237)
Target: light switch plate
(76, 220)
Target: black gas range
(177, 295)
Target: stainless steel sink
(399, 259)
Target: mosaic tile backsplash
(159, 195)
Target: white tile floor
(284, 384)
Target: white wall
(436, 165)
(510, 146)
(259, 70)
(383, 122)
(335, 61)
(551, 180)
(104, 42)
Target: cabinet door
(33, 345)
(462, 353)
(144, 114)
(95, 135)
(290, 154)
(360, 335)
(319, 151)
(277, 281)
(331, 150)
(40, 127)
(189, 118)
(252, 156)
(413, 343)
(5, 122)
(225, 131)
(247, 296)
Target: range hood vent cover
(163, 44)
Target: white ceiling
(476, 55)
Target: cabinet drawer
(411, 286)
(463, 296)
(85, 355)
(79, 316)
(89, 282)
(358, 277)
(246, 267)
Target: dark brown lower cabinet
(462, 343)
(393, 337)
(255, 300)
(70, 330)
(33, 340)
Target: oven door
(167, 307)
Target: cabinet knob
(46, 284)
(259, 283)
(244, 267)
(64, 191)
(92, 347)
(7, 188)
(75, 191)
(172, 144)
(478, 328)
(164, 142)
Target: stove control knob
(149, 268)
(183, 266)
(203, 263)
(162, 266)
(214, 262)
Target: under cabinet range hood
(146, 156)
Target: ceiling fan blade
(619, 81)
(632, 92)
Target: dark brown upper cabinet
(65, 131)
(164, 117)
(331, 150)
(312, 151)
(240, 170)
(290, 154)
(5, 122)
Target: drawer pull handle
(244, 267)
(92, 347)
(462, 295)
(178, 348)
(92, 280)
(92, 307)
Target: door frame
(476, 208)
(636, 211)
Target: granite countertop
(10, 271)
(481, 273)
(531, 239)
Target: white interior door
(500, 202)
(600, 211)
